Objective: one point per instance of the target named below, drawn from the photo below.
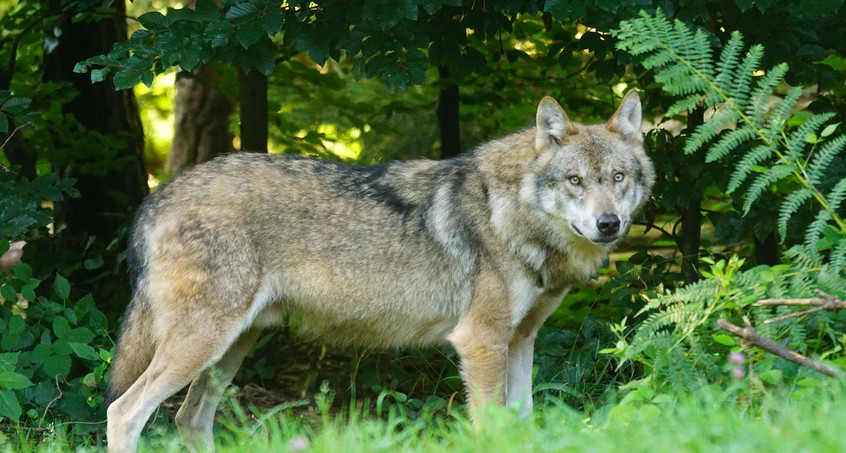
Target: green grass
(808, 420)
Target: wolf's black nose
(608, 223)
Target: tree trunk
(448, 105)
(201, 126)
(109, 197)
(691, 218)
(253, 100)
(766, 250)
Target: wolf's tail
(134, 351)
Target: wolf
(475, 251)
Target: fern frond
(826, 153)
(742, 84)
(762, 181)
(837, 259)
(798, 139)
(723, 118)
(730, 141)
(763, 92)
(815, 229)
(836, 195)
(789, 206)
(686, 105)
(780, 113)
(746, 165)
(726, 67)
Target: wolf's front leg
(481, 339)
(483, 359)
(521, 351)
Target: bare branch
(782, 302)
(752, 337)
(826, 302)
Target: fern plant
(679, 341)
(740, 94)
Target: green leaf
(154, 20)
(22, 271)
(99, 75)
(16, 105)
(126, 79)
(61, 286)
(4, 124)
(57, 365)
(13, 381)
(28, 292)
(9, 361)
(62, 347)
(16, 324)
(61, 327)
(724, 339)
(9, 405)
(84, 351)
(41, 352)
(829, 130)
(80, 335)
(240, 11)
(7, 291)
(248, 34)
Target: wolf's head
(589, 180)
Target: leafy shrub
(54, 348)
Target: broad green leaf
(61, 286)
(248, 34)
(80, 335)
(22, 271)
(16, 324)
(240, 11)
(41, 352)
(84, 351)
(99, 75)
(62, 347)
(13, 381)
(723, 339)
(9, 405)
(7, 291)
(57, 365)
(126, 79)
(154, 20)
(15, 105)
(9, 361)
(61, 327)
(829, 129)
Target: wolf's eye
(618, 177)
(575, 180)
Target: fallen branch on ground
(749, 334)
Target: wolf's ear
(628, 117)
(553, 125)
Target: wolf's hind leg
(179, 358)
(195, 418)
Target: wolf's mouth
(601, 240)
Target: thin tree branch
(825, 302)
(749, 334)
